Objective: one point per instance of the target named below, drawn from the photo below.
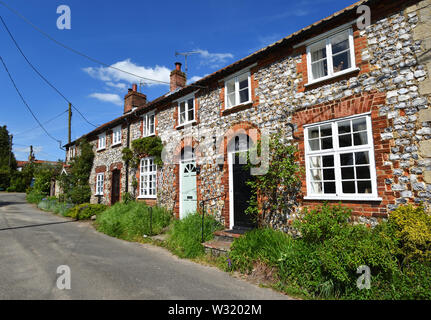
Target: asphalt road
(34, 243)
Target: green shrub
(323, 262)
(264, 245)
(186, 234)
(85, 211)
(323, 222)
(35, 196)
(412, 226)
(132, 220)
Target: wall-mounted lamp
(99, 197)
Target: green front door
(188, 188)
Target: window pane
(326, 131)
(340, 43)
(329, 187)
(182, 107)
(359, 124)
(190, 104)
(243, 84)
(345, 140)
(347, 173)
(343, 127)
(328, 161)
(348, 187)
(341, 61)
(182, 117)
(362, 158)
(314, 144)
(346, 159)
(191, 115)
(230, 86)
(360, 138)
(316, 174)
(364, 186)
(313, 133)
(243, 96)
(326, 143)
(319, 69)
(318, 53)
(328, 174)
(231, 99)
(363, 172)
(316, 187)
(315, 162)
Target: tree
(75, 185)
(6, 170)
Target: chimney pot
(178, 66)
(178, 78)
(135, 87)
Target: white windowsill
(100, 149)
(351, 198)
(150, 135)
(312, 82)
(115, 144)
(186, 123)
(238, 105)
(147, 197)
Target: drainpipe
(127, 162)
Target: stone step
(217, 247)
(226, 235)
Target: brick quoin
(354, 105)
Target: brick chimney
(178, 78)
(134, 99)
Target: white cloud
(108, 97)
(119, 85)
(214, 59)
(112, 76)
(27, 149)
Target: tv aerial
(185, 54)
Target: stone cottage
(356, 88)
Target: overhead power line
(40, 74)
(79, 52)
(26, 104)
(46, 122)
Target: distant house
(22, 164)
(358, 98)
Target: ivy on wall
(144, 147)
(276, 191)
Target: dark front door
(115, 192)
(241, 196)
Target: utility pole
(69, 140)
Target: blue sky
(139, 36)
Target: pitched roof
(297, 37)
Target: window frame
(186, 110)
(336, 151)
(146, 124)
(101, 137)
(115, 131)
(141, 179)
(235, 79)
(328, 47)
(98, 190)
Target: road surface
(33, 244)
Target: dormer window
(116, 135)
(237, 90)
(102, 141)
(331, 56)
(149, 124)
(186, 110)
